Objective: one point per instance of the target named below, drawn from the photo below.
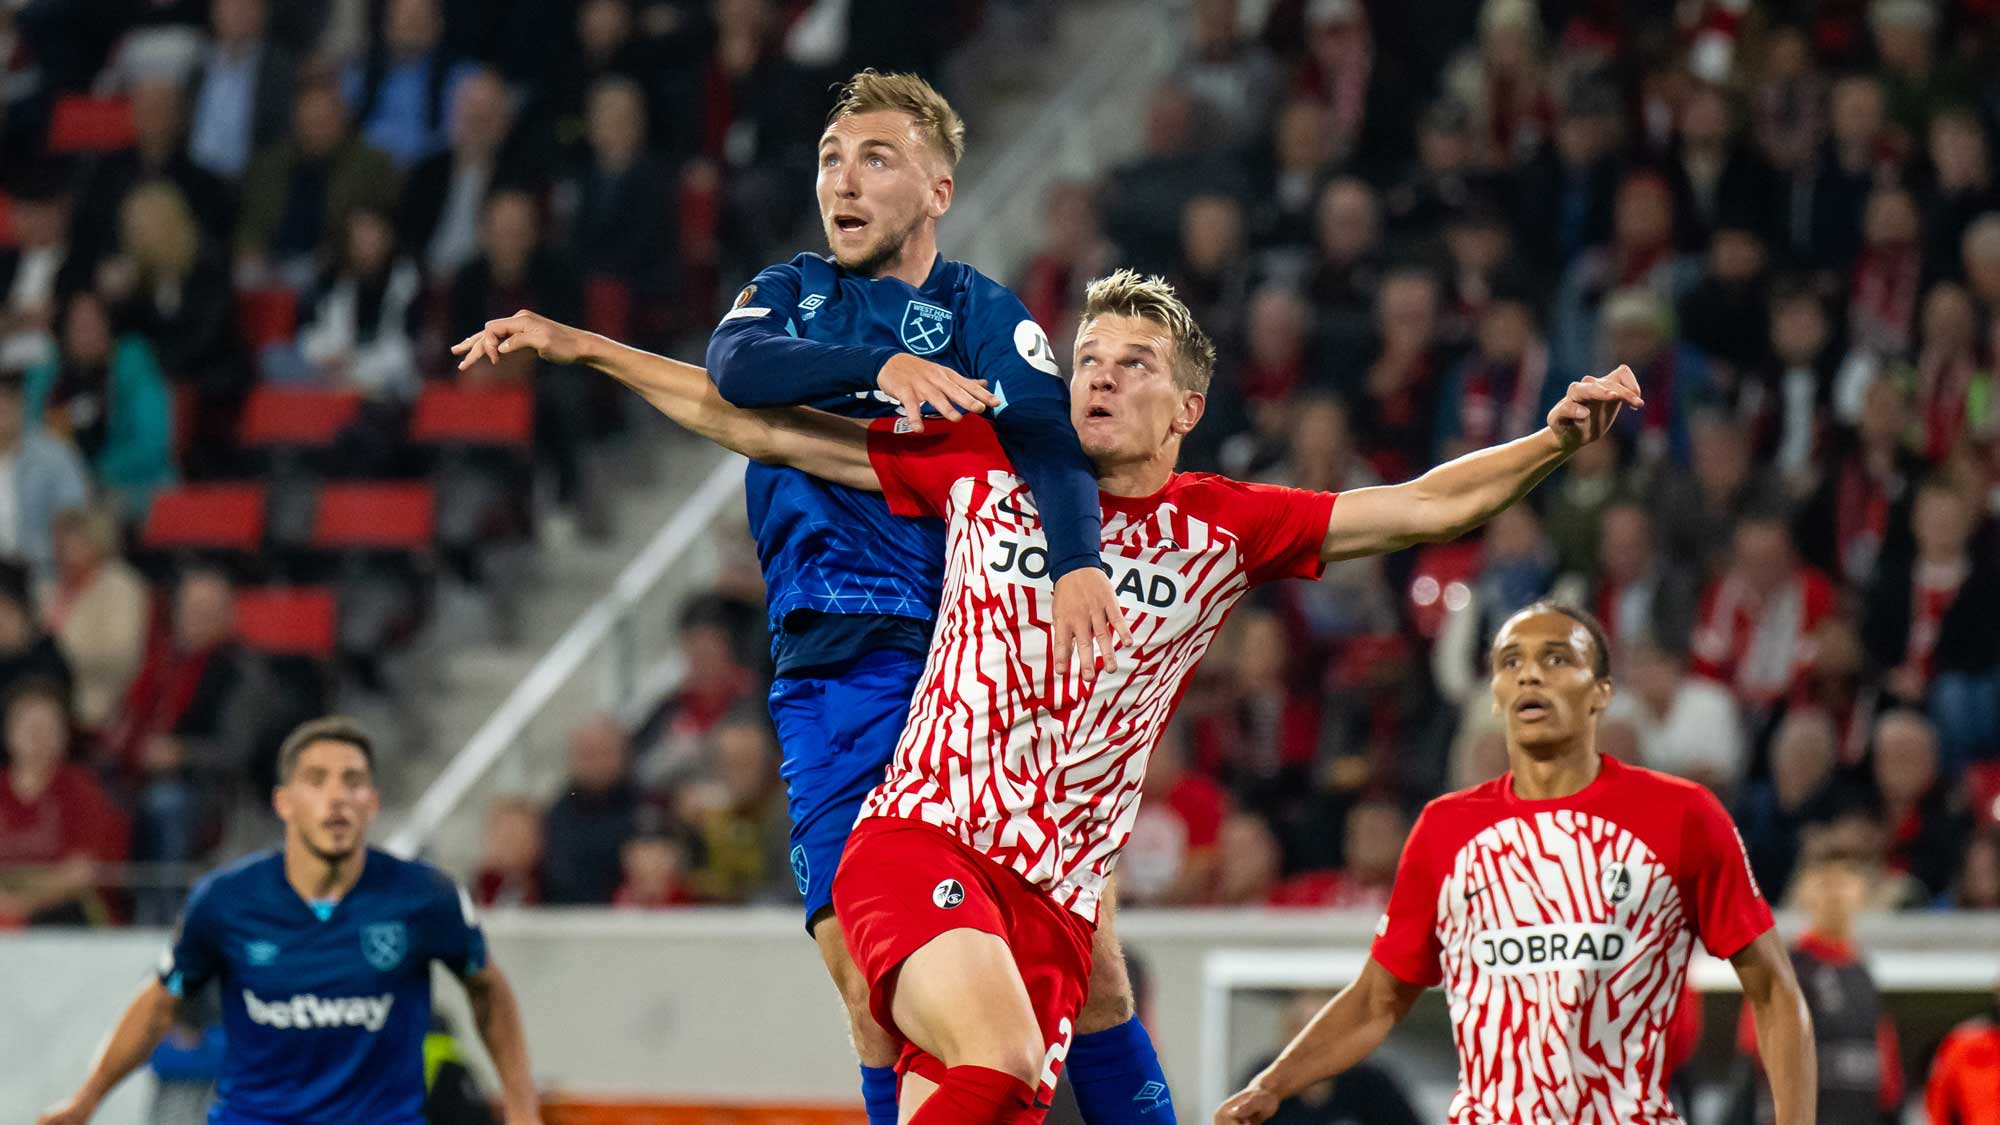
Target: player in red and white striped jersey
(1558, 905)
(969, 891)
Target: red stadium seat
(449, 414)
(80, 123)
(266, 316)
(376, 516)
(6, 221)
(607, 307)
(291, 620)
(285, 416)
(222, 516)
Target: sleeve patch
(749, 293)
(1033, 345)
(745, 313)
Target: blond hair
(158, 230)
(871, 91)
(1150, 298)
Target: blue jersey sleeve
(757, 358)
(195, 956)
(1012, 353)
(452, 933)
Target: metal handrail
(608, 620)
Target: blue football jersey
(324, 1018)
(834, 550)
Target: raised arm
(1784, 1028)
(831, 448)
(1348, 1029)
(147, 1018)
(1459, 495)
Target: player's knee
(1018, 1056)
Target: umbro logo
(947, 894)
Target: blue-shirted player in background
(323, 954)
(882, 325)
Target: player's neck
(912, 264)
(317, 878)
(1564, 774)
(1135, 478)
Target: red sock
(975, 1095)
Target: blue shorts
(838, 734)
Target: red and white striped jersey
(1049, 786)
(1561, 931)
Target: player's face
(879, 184)
(1123, 399)
(1544, 685)
(329, 800)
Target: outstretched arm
(831, 448)
(499, 1017)
(131, 1043)
(1351, 1026)
(1784, 1027)
(1459, 495)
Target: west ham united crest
(385, 944)
(926, 327)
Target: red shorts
(903, 882)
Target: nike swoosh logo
(1474, 892)
(1008, 507)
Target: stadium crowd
(1408, 237)
(235, 458)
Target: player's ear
(1600, 695)
(941, 193)
(281, 801)
(1193, 405)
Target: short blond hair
(871, 91)
(1150, 298)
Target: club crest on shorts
(926, 327)
(947, 894)
(384, 944)
(801, 867)
(1617, 882)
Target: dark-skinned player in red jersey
(1558, 906)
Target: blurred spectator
(194, 708)
(1958, 189)
(1929, 609)
(1979, 260)
(1274, 367)
(1977, 886)
(1642, 593)
(159, 114)
(1916, 83)
(446, 194)
(242, 89)
(1826, 221)
(1965, 1072)
(1395, 408)
(608, 44)
(1212, 276)
(1867, 478)
(1143, 197)
(1171, 858)
(1566, 190)
(56, 823)
(1372, 843)
(1347, 236)
(1290, 176)
(1785, 401)
(1641, 257)
(740, 815)
(99, 612)
(36, 270)
(613, 208)
(1861, 1071)
(1229, 71)
(105, 395)
(1701, 508)
(1638, 332)
(715, 682)
(1803, 790)
(510, 854)
(1352, 598)
(1502, 390)
(1505, 84)
(361, 331)
(1949, 410)
(299, 191)
(1926, 835)
(1726, 316)
(588, 826)
(1757, 616)
(1444, 178)
(1260, 723)
(1363, 1094)
(1517, 565)
(1073, 252)
(1368, 99)
(1888, 275)
(655, 866)
(399, 92)
(1687, 726)
(26, 653)
(1479, 247)
(40, 477)
(1718, 180)
(1590, 482)
(1840, 684)
(1250, 861)
(1788, 102)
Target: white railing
(611, 633)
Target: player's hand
(554, 342)
(72, 1110)
(1089, 626)
(1592, 404)
(912, 382)
(1247, 1107)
